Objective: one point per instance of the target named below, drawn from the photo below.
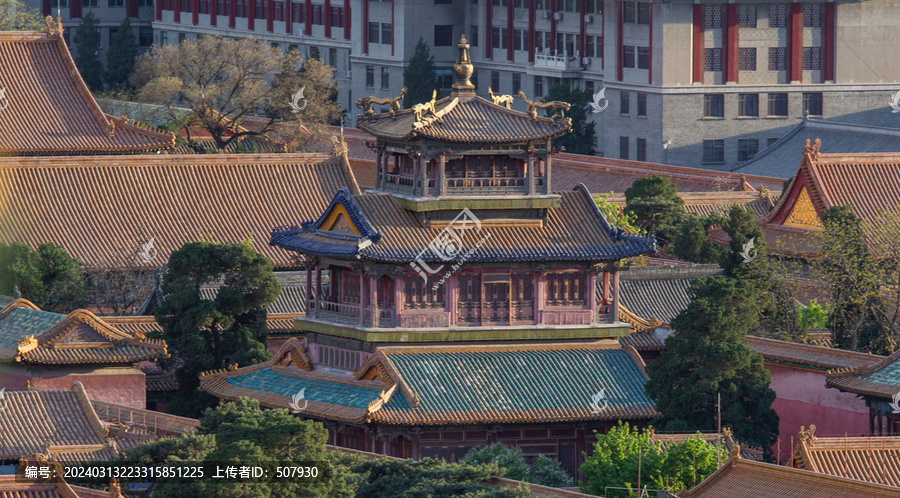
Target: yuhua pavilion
(452, 306)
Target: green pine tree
(655, 202)
(87, 39)
(419, 77)
(583, 137)
(707, 355)
(120, 59)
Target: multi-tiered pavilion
(454, 305)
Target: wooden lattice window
(420, 295)
(567, 289)
(349, 286)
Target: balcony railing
(562, 62)
(399, 184)
(507, 185)
(349, 313)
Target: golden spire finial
(463, 70)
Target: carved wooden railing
(339, 312)
(399, 183)
(506, 185)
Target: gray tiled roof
(292, 298)
(781, 159)
(660, 292)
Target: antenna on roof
(58, 12)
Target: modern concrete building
(690, 83)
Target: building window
(748, 104)
(812, 104)
(65, 4)
(778, 104)
(498, 37)
(628, 12)
(163, 38)
(777, 58)
(337, 17)
(370, 76)
(90, 3)
(112, 34)
(538, 86)
(747, 148)
(624, 103)
(298, 11)
(712, 60)
(317, 17)
(385, 78)
(628, 56)
(712, 17)
(567, 289)
(771, 141)
(747, 59)
(778, 15)
(811, 18)
(811, 58)
(643, 13)
(332, 57)
(643, 59)
(439, 2)
(713, 105)
(519, 37)
(495, 81)
(374, 32)
(473, 36)
(517, 83)
(594, 45)
(713, 151)
(747, 16)
(116, 3)
(145, 36)
(387, 33)
(588, 87)
(641, 105)
(623, 147)
(642, 149)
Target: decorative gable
(803, 212)
(293, 355)
(338, 220)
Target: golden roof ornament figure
(812, 150)
(506, 100)
(559, 108)
(54, 28)
(463, 70)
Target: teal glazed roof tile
(333, 393)
(21, 322)
(890, 374)
(880, 380)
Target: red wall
(124, 386)
(802, 399)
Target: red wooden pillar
(605, 289)
(213, 12)
(531, 30)
(327, 15)
(398, 298)
(488, 29)
(582, 29)
(362, 298)
(347, 19)
(195, 12)
(592, 296)
(731, 43)
(828, 37)
(231, 12)
(131, 7)
(365, 26)
(620, 44)
(796, 43)
(615, 304)
(540, 290)
(510, 31)
(307, 26)
(309, 295)
(699, 53)
(270, 15)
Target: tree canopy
(708, 355)
(431, 478)
(121, 56)
(545, 471)
(624, 452)
(87, 41)
(583, 137)
(419, 77)
(48, 276)
(16, 16)
(221, 80)
(207, 334)
(655, 202)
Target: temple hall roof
(48, 109)
(881, 380)
(453, 384)
(101, 208)
(30, 335)
(809, 355)
(743, 478)
(383, 231)
(13, 487)
(873, 459)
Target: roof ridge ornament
(463, 70)
(54, 28)
(559, 108)
(365, 103)
(506, 100)
(812, 150)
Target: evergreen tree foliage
(691, 242)
(48, 276)
(121, 57)
(545, 471)
(619, 454)
(708, 355)
(419, 77)
(17, 16)
(87, 41)
(655, 202)
(430, 478)
(204, 334)
(583, 137)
